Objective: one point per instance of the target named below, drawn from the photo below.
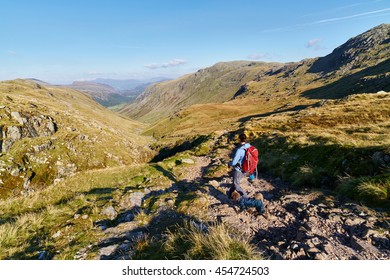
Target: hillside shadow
(170, 151)
(319, 164)
(166, 173)
(165, 221)
(275, 112)
(369, 80)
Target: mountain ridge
(229, 80)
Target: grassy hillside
(49, 133)
(359, 65)
(153, 205)
(341, 144)
(77, 179)
(158, 210)
(214, 84)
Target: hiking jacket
(239, 156)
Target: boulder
(109, 212)
(187, 161)
(65, 170)
(12, 134)
(17, 117)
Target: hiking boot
(266, 214)
(260, 210)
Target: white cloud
(315, 44)
(172, 63)
(375, 13)
(93, 73)
(351, 16)
(257, 56)
(12, 53)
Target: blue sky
(62, 41)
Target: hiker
(237, 163)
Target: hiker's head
(242, 137)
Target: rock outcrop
(28, 125)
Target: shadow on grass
(275, 112)
(170, 151)
(355, 83)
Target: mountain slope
(360, 65)
(49, 133)
(365, 50)
(218, 83)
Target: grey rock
(187, 160)
(133, 199)
(320, 256)
(294, 246)
(17, 117)
(108, 251)
(56, 235)
(214, 183)
(26, 183)
(66, 170)
(42, 255)
(124, 247)
(354, 221)
(12, 134)
(109, 212)
(15, 172)
(42, 147)
(170, 202)
(313, 250)
(51, 126)
(381, 158)
(315, 241)
(137, 235)
(369, 232)
(334, 217)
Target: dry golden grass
(88, 137)
(194, 242)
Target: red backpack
(250, 160)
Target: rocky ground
(300, 224)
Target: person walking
(237, 163)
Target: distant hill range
(109, 92)
(101, 93)
(362, 64)
(128, 84)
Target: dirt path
(301, 225)
(307, 225)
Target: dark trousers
(237, 177)
(251, 202)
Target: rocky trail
(300, 224)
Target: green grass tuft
(192, 242)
